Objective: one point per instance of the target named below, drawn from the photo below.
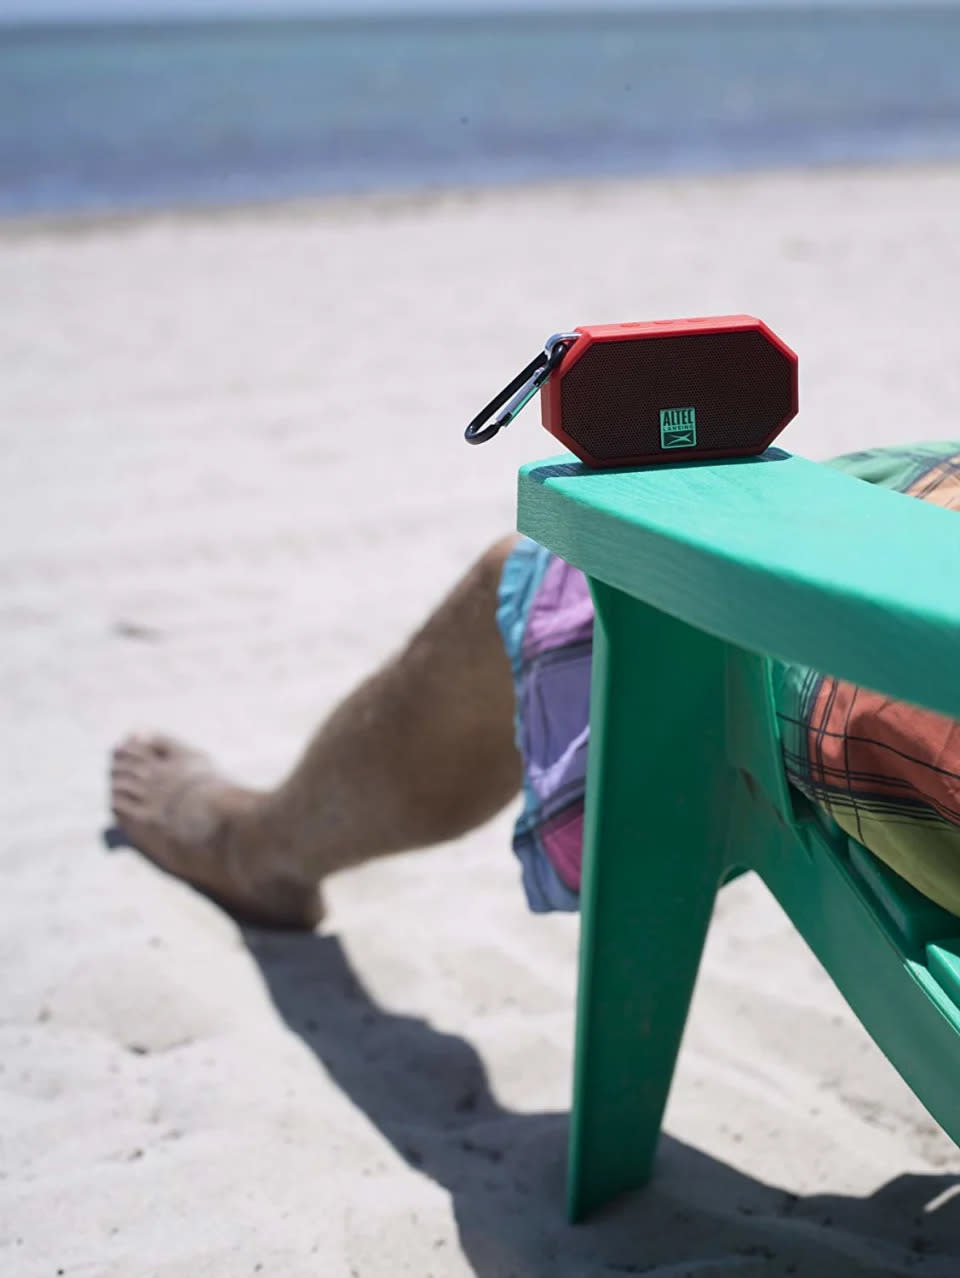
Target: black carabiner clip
(518, 392)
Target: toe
(131, 749)
(129, 777)
(128, 789)
(128, 765)
(166, 747)
(128, 814)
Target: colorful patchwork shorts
(886, 772)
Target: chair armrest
(775, 554)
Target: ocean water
(141, 116)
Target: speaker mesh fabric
(739, 383)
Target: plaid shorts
(886, 772)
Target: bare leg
(418, 754)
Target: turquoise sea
(152, 115)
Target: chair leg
(657, 794)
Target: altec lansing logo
(678, 428)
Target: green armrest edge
(775, 554)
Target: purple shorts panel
(546, 618)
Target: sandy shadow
(504, 1170)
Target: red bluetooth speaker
(672, 391)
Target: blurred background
(124, 104)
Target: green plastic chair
(700, 574)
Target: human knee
(491, 562)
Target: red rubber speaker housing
(671, 391)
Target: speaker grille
(739, 383)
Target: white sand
(232, 478)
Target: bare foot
(177, 810)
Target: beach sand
(233, 478)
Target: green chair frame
(700, 574)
